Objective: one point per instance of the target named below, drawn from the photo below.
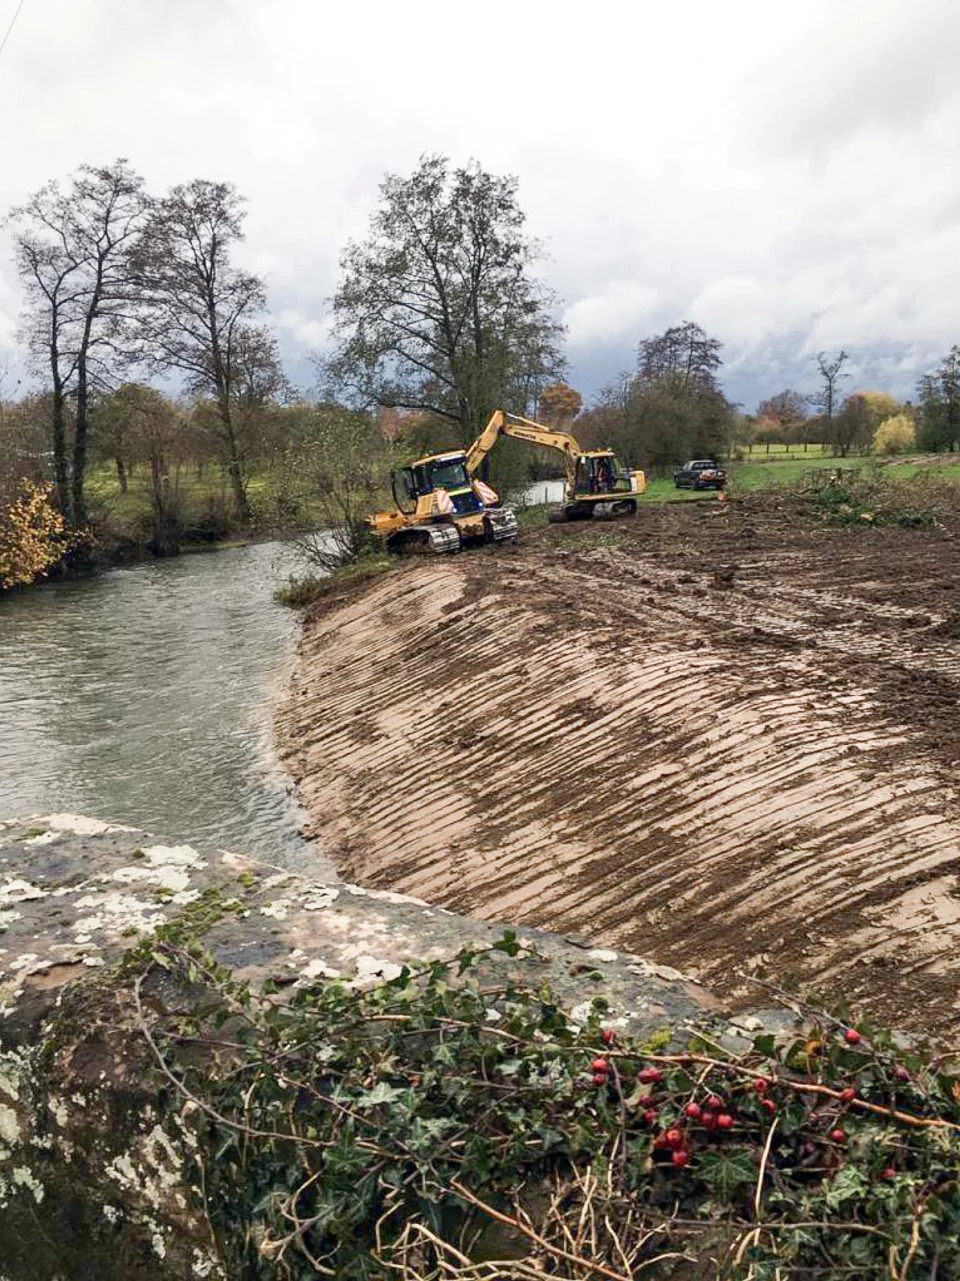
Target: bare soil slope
(724, 738)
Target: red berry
(769, 1104)
(901, 1073)
(649, 1076)
(888, 1172)
(710, 1120)
(714, 1103)
(674, 1138)
(660, 1142)
(760, 1084)
(599, 1065)
(651, 1116)
(694, 1111)
(599, 1078)
(852, 1036)
(724, 1121)
(608, 1036)
(848, 1095)
(837, 1136)
(680, 1158)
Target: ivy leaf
(425, 1132)
(445, 1055)
(508, 943)
(724, 1173)
(382, 1092)
(847, 1185)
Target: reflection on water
(146, 696)
(541, 491)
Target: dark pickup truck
(702, 473)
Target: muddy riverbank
(726, 738)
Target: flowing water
(146, 696)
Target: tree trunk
(60, 453)
(80, 450)
(165, 541)
(234, 464)
(121, 475)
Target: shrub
(32, 535)
(895, 435)
(365, 1134)
(300, 592)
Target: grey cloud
(785, 175)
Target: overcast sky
(785, 175)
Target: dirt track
(725, 739)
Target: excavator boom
(596, 481)
(523, 429)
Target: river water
(146, 696)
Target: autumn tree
(788, 409)
(437, 308)
(73, 248)
(862, 413)
(939, 403)
(895, 435)
(201, 315)
(559, 403)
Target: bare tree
(73, 249)
(939, 397)
(201, 313)
(831, 375)
(786, 407)
(685, 355)
(437, 309)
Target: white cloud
(622, 307)
(785, 175)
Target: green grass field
(206, 500)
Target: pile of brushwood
(451, 1124)
(846, 497)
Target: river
(146, 696)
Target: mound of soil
(717, 735)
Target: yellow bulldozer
(440, 507)
(441, 504)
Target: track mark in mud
(757, 781)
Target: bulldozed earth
(723, 736)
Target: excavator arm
(502, 423)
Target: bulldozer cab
(601, 473)
(426, 475)
(404, 490)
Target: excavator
(441, 504)
(597, 483)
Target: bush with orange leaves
(32, 535)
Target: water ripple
(146, 696)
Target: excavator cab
(601, 472)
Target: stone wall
(93, 1138)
